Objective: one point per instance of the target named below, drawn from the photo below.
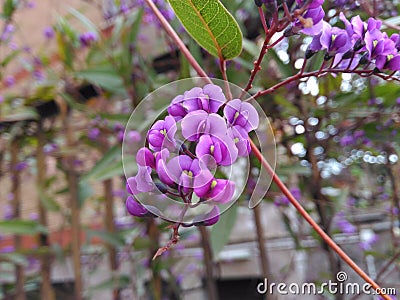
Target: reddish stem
(263, 21)
(222, 66)
(257, 63)
(313, 224)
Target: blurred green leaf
(9, 58)
(83, 19)
(211, 25)
(21, 227)
(24, 114)
(85, 190)
(103, 76)
(48, 202)
(112, 238)
(9, 7)
(221, 231)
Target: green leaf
(85, 190)
(27, 113)
(48, 202)
(21, 227)
(9, 58)
(105, 77)
(221, 231)
(84, 20)
(9, 8)
(211, 25)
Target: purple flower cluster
(215, 133)
(359, 43)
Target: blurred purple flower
(344, 225)
(94, 133)
(88, 38)
(9, 81)
(49, 32)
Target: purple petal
(223, 191)
(135, 208)
(216, 97)
(145, 158)
(199, 122)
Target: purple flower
(145, 158)
(162, 134)
(136, 209)
(209, 98)
(334, 39)
(388, 62)
(200, 122)
(284, 201)
(94, 134)
(217, 190)
(359, 134)
(9, 81)
(21, 166)
(133, 137)
(222, 149)
(182, 171)
(241, 114)
(346, 140)
(240, 137)
(49, 32)
(344, 225)
(88, 38)
(49, 148)
(141, 183)
(378, 43)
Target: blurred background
(71, 74)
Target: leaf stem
(222, 67)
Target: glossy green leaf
(221, 231)
(21, 227)
(211, 25)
